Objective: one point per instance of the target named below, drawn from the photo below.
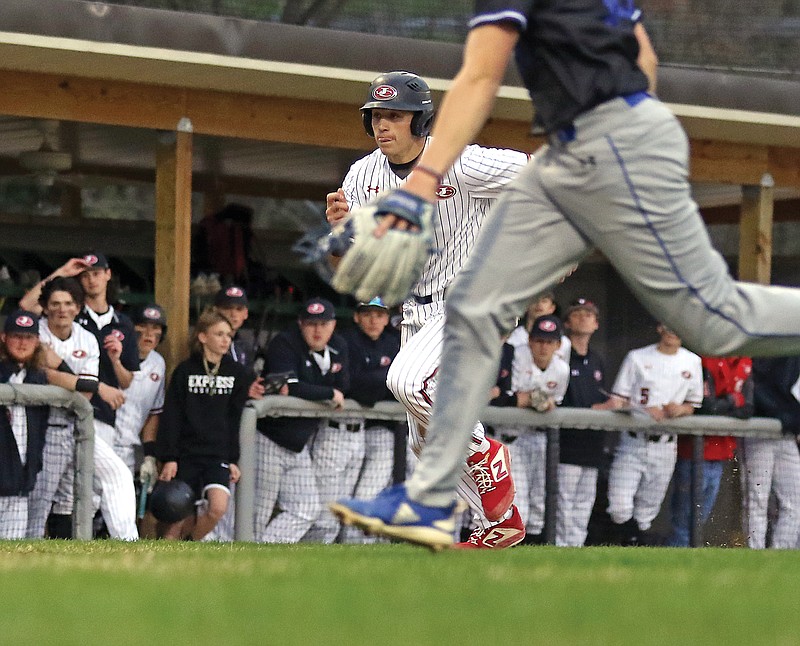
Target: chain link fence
(748, 37)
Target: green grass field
(106, 592)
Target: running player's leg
(631, 166)
(499, 279)
(412, 379)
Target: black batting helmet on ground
(172, 501)
(400, 91)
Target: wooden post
(755, 232)
(173, 236)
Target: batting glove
(148, 473)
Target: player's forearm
(150, 429)
(648, 59)
(124, 376)
(469, 101)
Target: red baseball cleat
(505, 534)
(491, 471)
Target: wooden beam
(755, 232)
(315, 122)
(173, 236)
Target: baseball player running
(613, 176)
(663, 381)
(398, 113)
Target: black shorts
(202, 474)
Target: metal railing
(32, 395)
(579, 418)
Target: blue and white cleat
(394, 515)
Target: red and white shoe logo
(499, 467)
(497, 536)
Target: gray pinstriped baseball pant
(621, 186)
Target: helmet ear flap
(421, 124)
(366, 115)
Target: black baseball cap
(231, 296)
(317, 309)
(150, 313)
(21, 322)
(582, 304)
(546, 327)
(95, 260)
(376, 302)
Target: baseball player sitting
(539, 378)
(662, 381)
(22, 428)
(398, 115)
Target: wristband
(429, 171)
(149, 449)
(84, 385)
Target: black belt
(353, 427)
(655, 438)
(430, 298)
(567, 133)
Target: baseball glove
(386, 266)
(540, 400)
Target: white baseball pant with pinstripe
(57, 473)
(337, 455)
(771, 465)
(287, 479)
(13, 517)
(412, 380)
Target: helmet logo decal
(384, 93)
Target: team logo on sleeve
(445, 191)
(385, 361)
(551, 385)
(384, 93)
(598, 375)
(154, 376)
(686, 374)
(79, 354)
(336, 367)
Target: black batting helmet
(400, 91)
(172, 501)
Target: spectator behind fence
(661, 381)
(543, 305)
(198, 437)
(728, 390)
(372, 347)
(316, 362)
(581, 450)
(74, 359)
(22, 428)
(774, 465)
(539, 379)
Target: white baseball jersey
(650, 378)
(465, 195)
(79, 351)
(527, 376)
(519, 336)
(144, 397)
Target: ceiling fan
(47, 162)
